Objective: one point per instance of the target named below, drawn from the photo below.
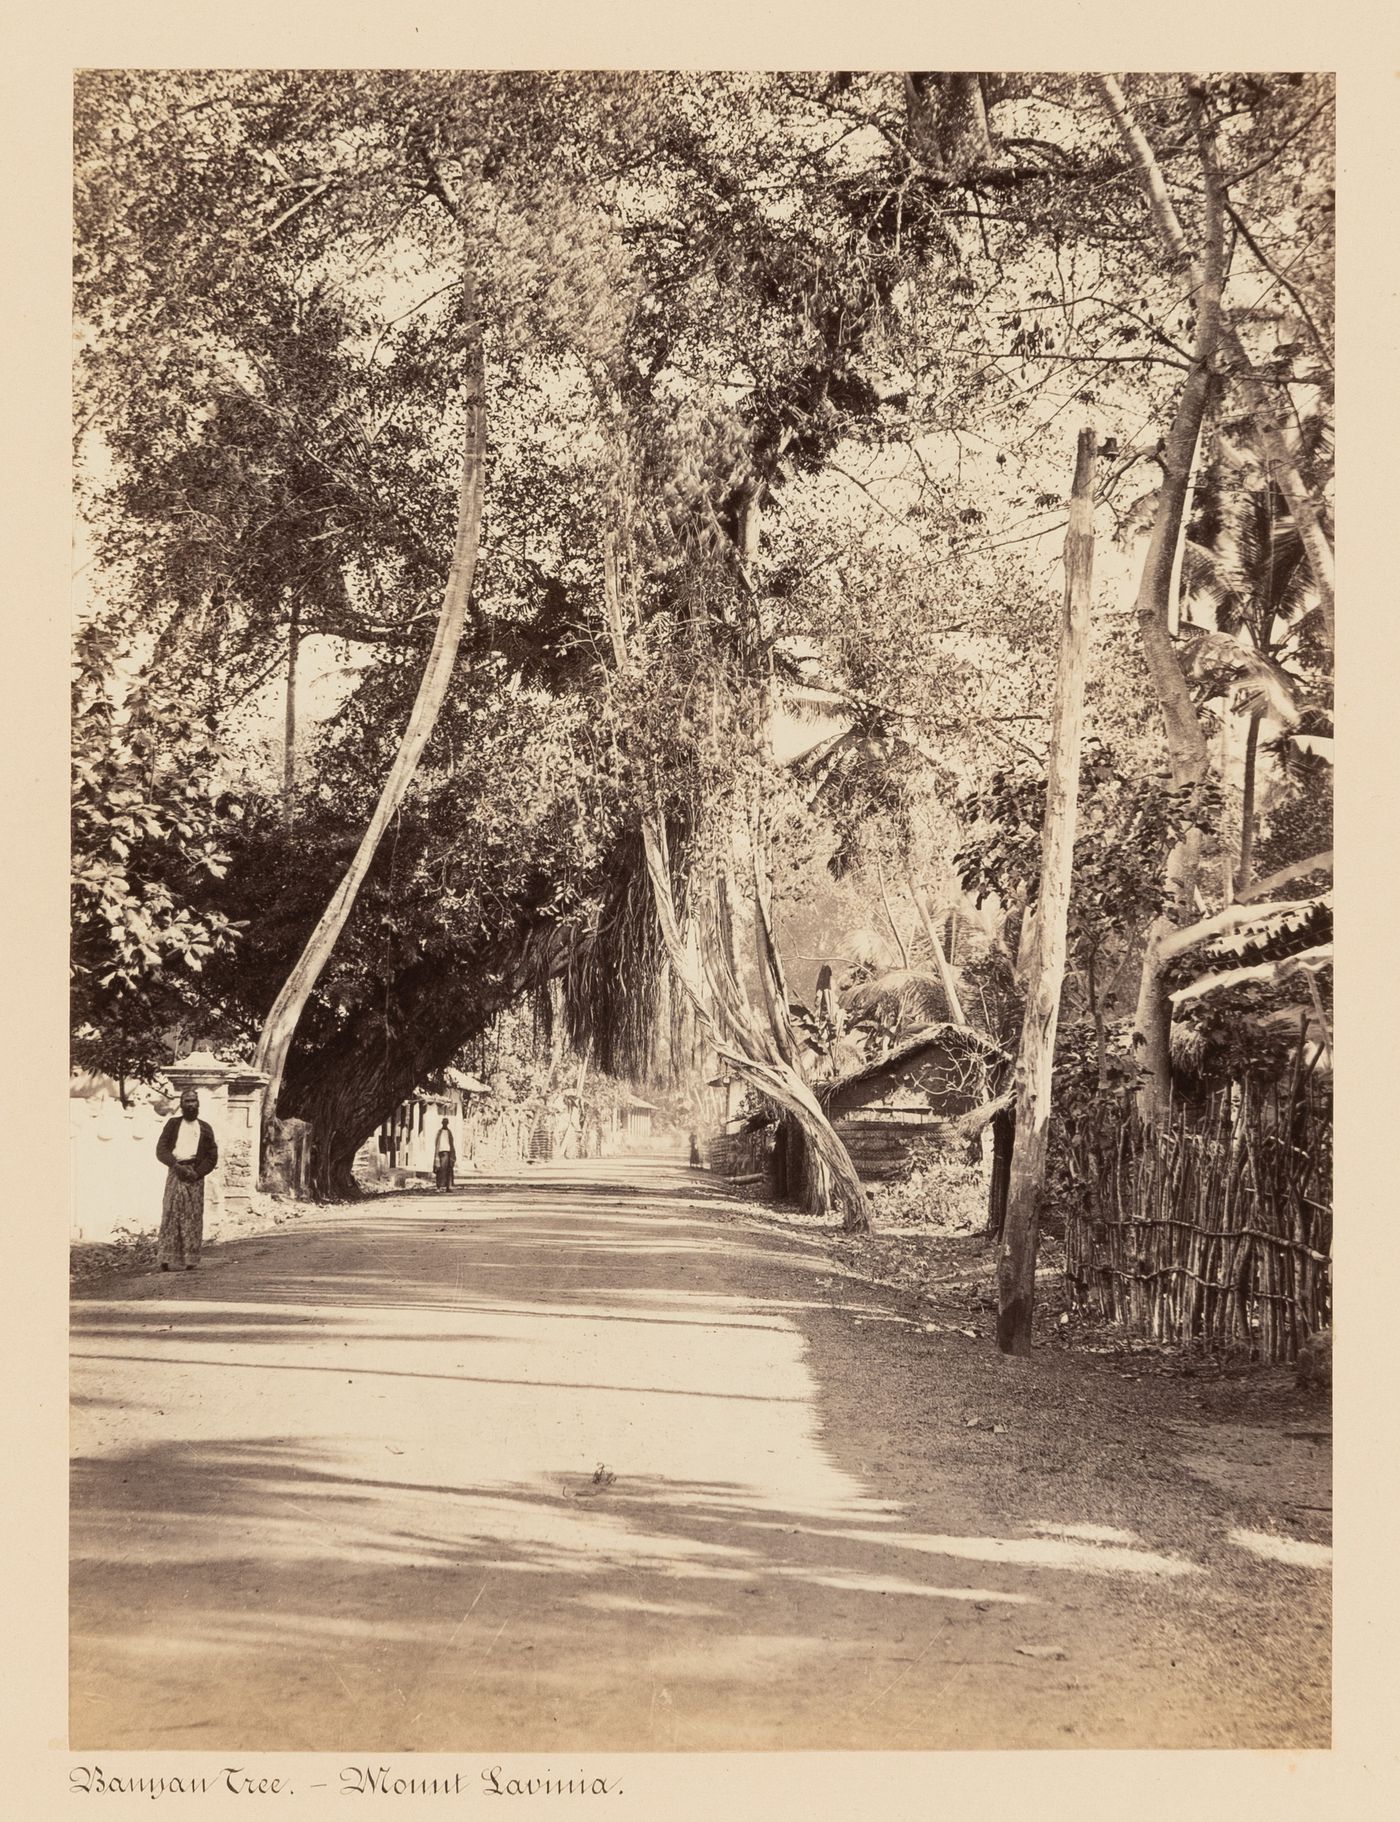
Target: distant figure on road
(444, 1157)
(694, 1152)
(189, 1152)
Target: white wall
(117, 1180)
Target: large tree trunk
(414, 1026)
(946, 111)
(1186, 742)
(348, 1085)
(280, 1025)
(1036, 1059)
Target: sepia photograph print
(701, 979)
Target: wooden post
(1035, 1061)
(1003, 1146)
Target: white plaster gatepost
(230, 1099)
(240, 1159)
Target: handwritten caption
(354, 1781)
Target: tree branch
(287, 215)
(1282, 279)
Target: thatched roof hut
(935, 1073)
(888, 1111)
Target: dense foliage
(151, 831)
(810, 348)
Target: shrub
(940, 1190)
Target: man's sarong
(181, 1221)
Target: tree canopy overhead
(810, 350)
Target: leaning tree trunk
(280, 1025)
(743, 1046)
(1036, 1059)
(940, 957)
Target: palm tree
(859, 778)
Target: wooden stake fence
(1217, 1231)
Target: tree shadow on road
(800, 1532)
(642, 1615)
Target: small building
(887, 1112)
(636, 1124)
(570, 1126)
(888, 1109)
(617, 1127)
(938, 1070)
(405, 1143)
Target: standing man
(189, 1152)
(444, 1156)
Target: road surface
(585, 1457)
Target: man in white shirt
(444, 1156)
(189, 1152)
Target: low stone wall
(117, 1183)
(116, 1179)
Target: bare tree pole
(899, 942)
(289, 716)
(1035, 1061)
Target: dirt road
(587, 1458)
